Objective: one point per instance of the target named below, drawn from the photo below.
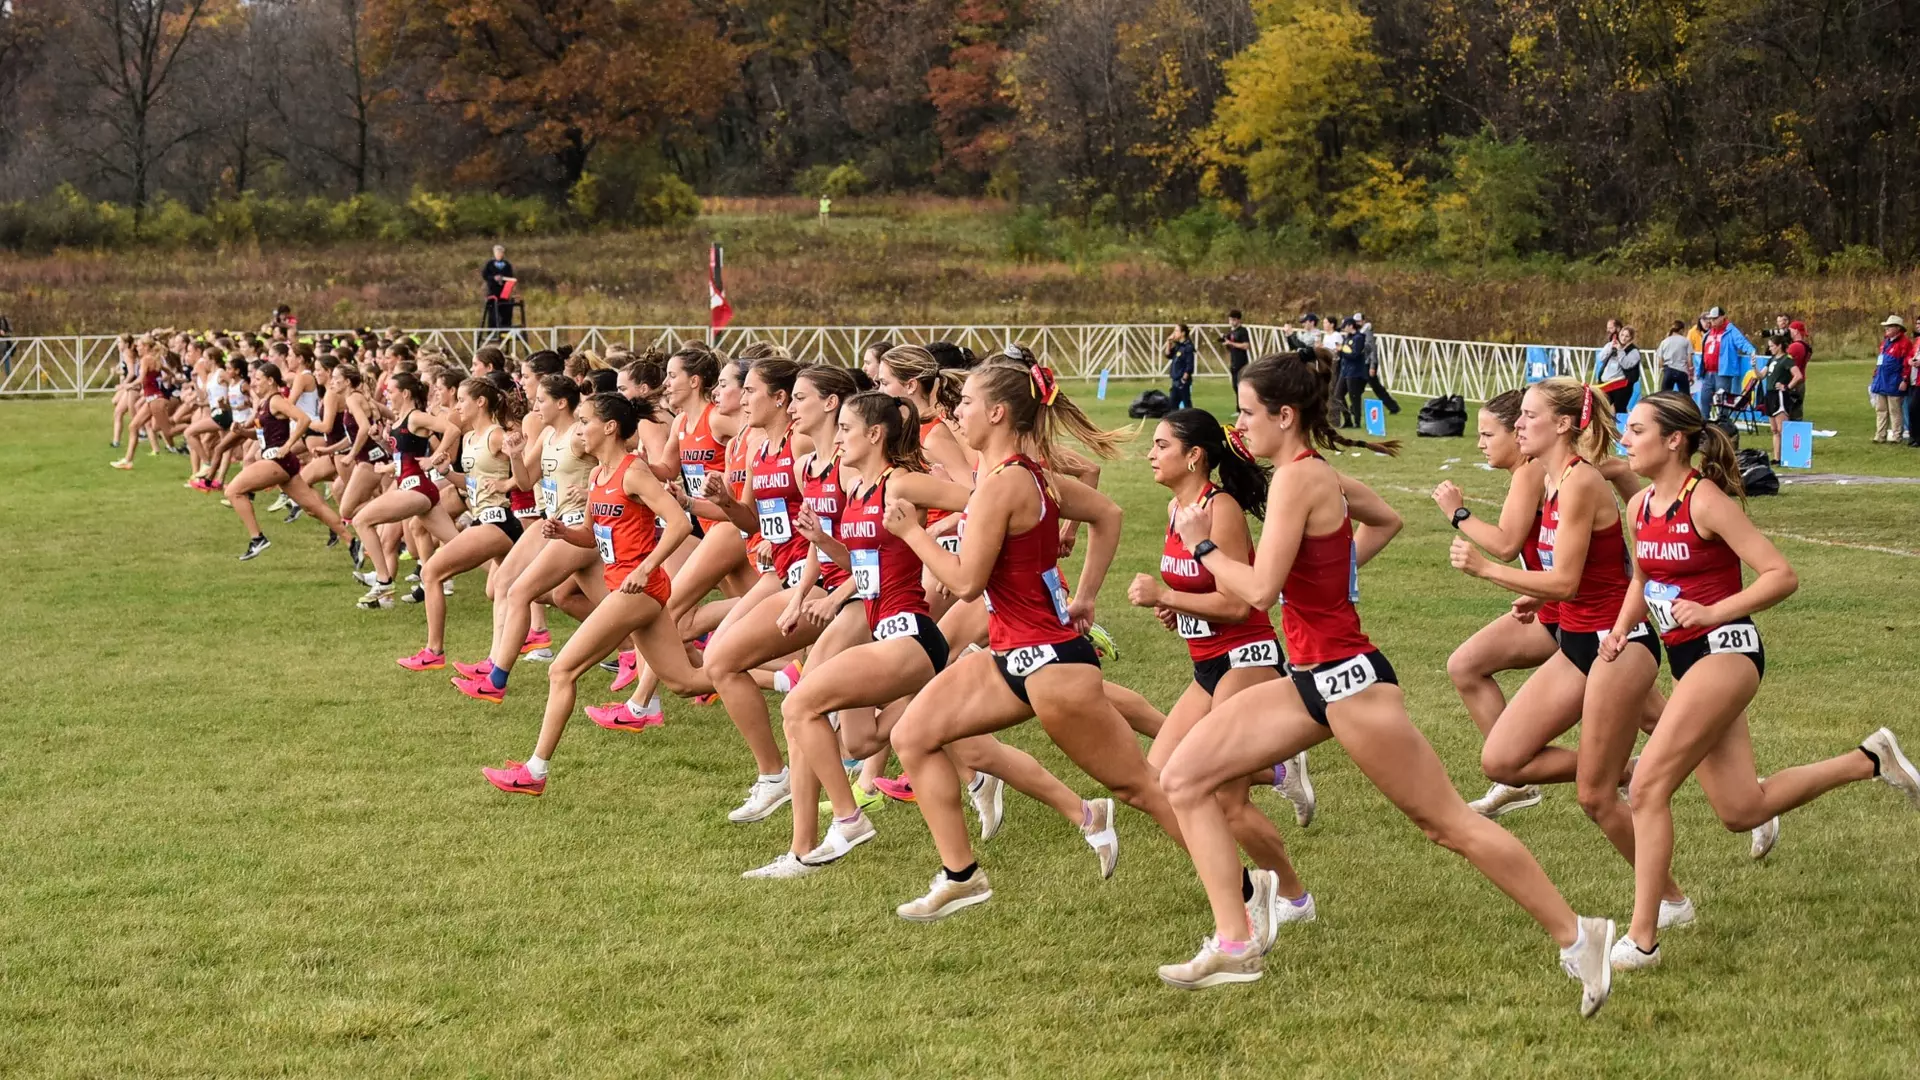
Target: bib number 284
(1025, 661)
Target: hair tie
(1238, 444)
(1586, 406)
(1045, 388)
(1304, 354)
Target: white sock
(1577, 942)
(640, 708)
(537, 767)
(774, 778)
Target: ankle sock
(962, 875)
(1873, 757)
(498, 677)
(537, 767)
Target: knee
(913, 739)
(1598, 799)
(1501, 765)
(795, 711)
(1463, 668)
(1453, 831)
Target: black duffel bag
(1444, 417)
(1755, 474)
(1151, 404)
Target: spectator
(1913, 399)
(1373, 365)
(1180, 367)
(1239, 344)
(1613, 333)
(1784, 395)
(1890, 381)
(496, 273)
(1353, 374)
(1703, 384)
(1799, 347)
(1619, 368)
(1729, 351)
(1305, 336)
(1676, 359)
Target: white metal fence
(80, 365)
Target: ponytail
(1303, 380)
(900, 417)
(1038, 410)
(1240, 475)
(917, 366)
(1594, 430)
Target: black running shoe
(333, 541)
(416, 596)
(293, 515)
(255, 546)
(356, 552)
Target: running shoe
(1501, 799)
(619, 716)
(1895, 770)
(540, 656)
(226, 502)
(842, 838)
(989, 802)
(1588, 961)
(474, 671)
(863, 800)
(424, 660)
(413, 578)
(1292, 911)
(280, 504)
(1764, 838)
(1100, 835)
(788, 865)
(415, 595)
(629, 671)
(446, 587)
(1627, 955)
(705, 699)
(357, 552)
(369, 578)
(480, 690)
(611, 664)
(254, 547)
(295, 514)
(378, 597)
(787, 678)
(900, 790)
(333, 541)
(763, 798)
(1290, 779)
(1674, 914)
(946, 896)
(1260, 913)
(121, 463)
(1103, 644)
(536, 639)
(1213, 966)
(197, 484)
(404, 553)
(514, 779)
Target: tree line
(1651, 132)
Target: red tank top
(776, 497)
(699, 451)
(886, 572)
(1680, 565)
(1317, 613)
(1026, 597)
(822, 493)
(1183, 573)
(933, 514)
(1530, 558)
(1603, 580)
(150, 384)
(623, 526)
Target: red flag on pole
(722, 312)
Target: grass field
(241, 842)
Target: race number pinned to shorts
(1733, 638)
(1191, 626)
(603, 541)
(775, 525)
(409, 483)
(1345, 679)
(1024, 661)
(573, 519)
(695, 477)
(893, 626)
(793, 573)
(375, 454)
(1660, 598)
(493, 515)
(866, 573)
(1256, 654)
(1057, 589)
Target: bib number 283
(1345, 679)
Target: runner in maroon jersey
(1342, 687)
(1690, 538)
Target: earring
(1189, 466)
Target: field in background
(907, 260)
(240, 841)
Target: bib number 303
(1345, 679)
(1734, 638)
(1023, 662)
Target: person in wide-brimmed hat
(1889, 386)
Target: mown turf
(240, 841)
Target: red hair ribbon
(1239, 444)
(1045, 387)
(1586, 407)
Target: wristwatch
(1203, 549)
(1461, 515)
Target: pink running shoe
(514, 779)
(480, 689)
(536, 639)
(475, 671)
(900, 790)
(618, 717)
(705, 699)
(629, 671)
(424, 660)
(787, 678)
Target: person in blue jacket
(1180, 367)
(1888, 390)
(1355, 344)
(1734, 351)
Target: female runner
(1041, 663)
(1564, 425)
(490, 459)
(366, 449)
(1690, 539)
(414, 495)
(1232, 645)
(282, 425)
(626, 505)
(151, 406)
(1341, 686)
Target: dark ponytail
(561, 388)
(1719, 464)
(619, 409)
(1505, 407)
(900, 417)
(1240, 475)
(1303, 380)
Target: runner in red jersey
(625, 499)
(1232, 644)
(1046, 667)
(1691, 537)
(1564, 425)
(282, 425)
(413, 494)
(1353, 698)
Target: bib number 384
(1345, 679)
(1024, 661)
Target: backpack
(1444, 417)
(1755, 474)
(1151, 404)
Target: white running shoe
(1260, 915)
(541, 655)
(788, 865)
(1673, 915)
(1213, 966)
(1764, 838)
(446, 587)
(280, 504)
(947, 896)
(841, 838)
(368, 578)
(989, 801)
(1898, 773)
(1101, 837)
(1293, 782)
(1588, 961)
(1287, 911)
(380, 596)
(1626, 955)
(763, 798)
(1501, 799)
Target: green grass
(240, 841)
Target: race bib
(950, 543)
(1255, 654)
(374, 453)
(793, 573)
(1345, 679)
(1353, 572)
(1025, 661)
(1660, 598)
(603, 541)
(473, 491)
(893, 626)
(1191, 626)
(493, 515)
(866, 573)
(1734, 638)
(550, 495)
(436, 475)
(408, 483)
(572, 519)
(826, 526)
(695, 477)
(1057, 590)
(774, 523)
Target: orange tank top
(933, 514)
(624, 529)
(736, 465)
(699, 452)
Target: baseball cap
(1715, 312)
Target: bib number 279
(1345, 679)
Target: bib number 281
(1733, 638)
